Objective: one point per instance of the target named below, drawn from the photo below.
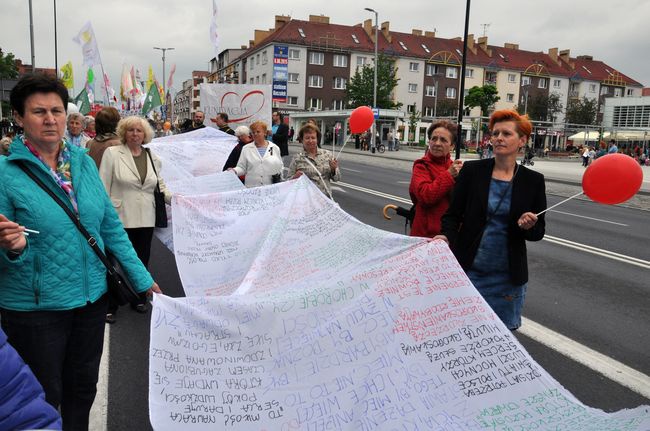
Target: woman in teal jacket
(52, 285)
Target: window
(264, 58)
(316, 81)
(250, 81)
(316, 58)
(292, 100)
(452, 72)
(315, 104)
(592, 88)
(629, 92)
(403, 46)
(355, 38)
(301, 32)
(252, 63)
(293, 78)
(424, 47)
(469, 73)
(361, 61)
(337, 104)
(257, 59)
(294, 54)
(512, 77)
(557, 83)
(432, 69)
(413, 88)
(257, 79)
(264, 78)
(451, 93)
(543, 83)
(510, 97)
(428, 111)
(618, 92)
(339, 83)
(340, 60)
(410, 108)
(604, 90)
(413, 66)
(430, 91)
(525, 80)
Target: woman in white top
(260, 161)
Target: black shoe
(140, 308)
(110, 318)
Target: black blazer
(464, 221)
(281, 138)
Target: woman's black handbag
(117, 282)
(159, 199)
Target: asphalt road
(595, 300)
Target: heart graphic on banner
(242, 102)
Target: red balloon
(361, 119)
(612, 179)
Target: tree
(8, 70)
(359, 91)
(542, 107)
(414, 119)
(582, 111)
(485, 97)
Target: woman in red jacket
(433, 179)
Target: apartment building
(323, 56)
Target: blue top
(58, 270)
(492, 255)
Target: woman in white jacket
(129, 173)
(260, 161)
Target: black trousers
(140, 238)
(63, 350)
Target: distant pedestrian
(244, 137)
(612, 147)
(585, 156)
(222, 123)
(291, 134)
(106, 125)
(280, 133)
(391, 140)
(75, 130)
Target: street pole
(163, 76)
(461, 95)
(56, 50)
(373, 142)
(31, 35)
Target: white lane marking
(403, 182)
(99, 410)
(376, 193)
(351, 170)
(608, 367)
(598, 251)
(589, 218)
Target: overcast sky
(127, 30)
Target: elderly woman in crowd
(89, 130)
(319, 165)
(130, 174)
(493, 213)
(260, 161)
(52, 285)
(106, 125)
(433, 179)
(75, 130)
(243, 135)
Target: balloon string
(346, 141)
(560, 203)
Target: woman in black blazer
(492, 214)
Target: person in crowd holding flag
(260, 161)
(280, 133)
(319, 165)
(52, 285)
(89, 129)
(106, 125)
(493, 213)
(244, 137)
(130, 174)
(433, 179)
(75, 130)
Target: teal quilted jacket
(58, 270)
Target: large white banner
(331, 324)
(244, 103)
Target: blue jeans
(63, 350)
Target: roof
(595, 70)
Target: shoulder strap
(89, 238)
(319, 176)
(154, 169)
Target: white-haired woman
(243, 135)
(75, 130)
(126, 171)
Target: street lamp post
(31, 35)
(373, 141)
(163, 76)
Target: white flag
(89, 49)
(214, 36)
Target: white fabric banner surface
(244, 103)
(327, 323)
